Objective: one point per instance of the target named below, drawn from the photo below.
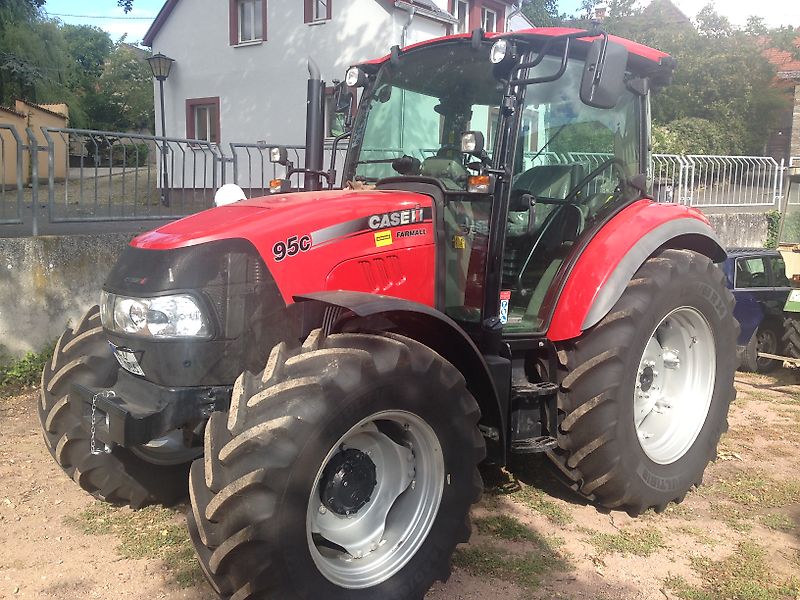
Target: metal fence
(12, 164)
(78, 175)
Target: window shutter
(330, 9)
(309, 11)
(233, 22)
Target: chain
(93, 431)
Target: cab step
(534, 445)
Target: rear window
(751, 273)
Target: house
(240, 65)
(24, 115)
(784, 140)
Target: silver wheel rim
(674, 385)
(366, 548)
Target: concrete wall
(49, 281)
(740, 230)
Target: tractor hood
(368, 240)
(259, 219)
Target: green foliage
(129, 155)
(773, 228)
(722, 76)
(27, 370)
(693, 135)
(123, 96)
(106, 86)
(543, 13)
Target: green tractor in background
(789, 247)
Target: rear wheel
(156, 472)
(791, 334)
(646, 391)
(345, 470)
(764, 339)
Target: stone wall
(47, 282)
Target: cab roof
(645, 54)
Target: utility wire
(103, 17)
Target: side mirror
(343, 104)
(603, 80)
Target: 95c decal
(291, 247)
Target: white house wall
(262, 87)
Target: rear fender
(372, 312)
(610, 260)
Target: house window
(488, 19)
(317, 10)
(202, 119)
(462, 14)
(248, 21)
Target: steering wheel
(548, 223)
(611, 162)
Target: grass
(755, 490)
(639, 542)
(699, 534)
(732, 515)
(152, 532)
(777, 522)
(744, 575)
(538, 501)
(16, 374)
(525, 570)
(507, 528)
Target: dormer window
(248, 21)
(317, 10)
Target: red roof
(633, 47)
(783, 60)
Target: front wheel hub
(348, 482)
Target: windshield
(420, 108)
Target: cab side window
(779, 277)
(751, 273)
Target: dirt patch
(738, 536)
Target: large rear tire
(82, 355)
(791, 335)
(645, 393)
(344, 470)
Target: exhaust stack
(315, 127)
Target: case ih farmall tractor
(335, 364)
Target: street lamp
(161, 65)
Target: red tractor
(335, 364)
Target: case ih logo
(396, 218)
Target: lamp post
(161, 65)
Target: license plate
(127, 360)
(794, 296)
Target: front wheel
(345, 470)
(645, 393)
(152, 473)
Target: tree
(123, 97)
(542, 13)
(89, 48)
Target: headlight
(173, 316)
(498, 51)
(355, 77)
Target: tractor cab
(526, 142)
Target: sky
(108, 16)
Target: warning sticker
(383, 238)
(459, 242)
(505, 297)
